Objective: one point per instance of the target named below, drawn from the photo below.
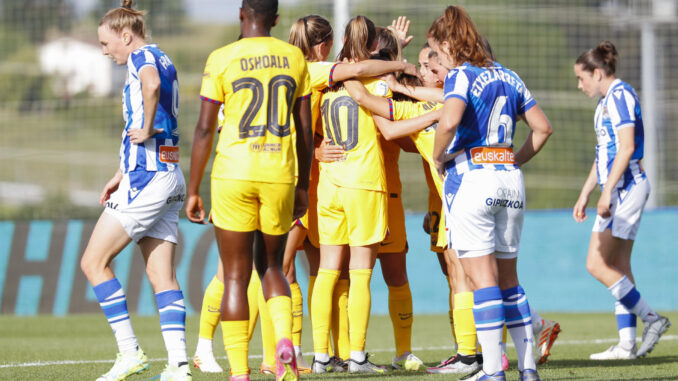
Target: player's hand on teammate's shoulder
(140, 135)
(195, 211)
(411, 69)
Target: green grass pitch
(81, 347)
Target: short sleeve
(408, 110)
(304, 87)
(456, 85)
(321, 74)
(525, 101)
(619, 107)
(210, 89)
(142, 58)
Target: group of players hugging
(307, 158)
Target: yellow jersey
(423, 139)
(258, 80)
(321, 78)
(352, 126)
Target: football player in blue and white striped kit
(624, 192)
(484, 193)
(143, 199)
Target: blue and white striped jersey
(161, 152)
(618, 109)
(494, 98)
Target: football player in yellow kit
(264, 84)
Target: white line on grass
(441, 348)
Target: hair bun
(607, 51)
(127, 4)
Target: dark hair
(360, 34)
(388, 46)
(466, 43)
(310, 31)
(123, 17)
(604, 57)
(265, 10)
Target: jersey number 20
(246, 129)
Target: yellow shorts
(436, 222)
(245, 206)
(396, 240)
(346, 216)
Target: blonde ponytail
(308, 32)
(125, 16)
(360, 34)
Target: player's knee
(90, 266)
(594, 267)
(161, 280)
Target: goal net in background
(60, 111)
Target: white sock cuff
(621, 287)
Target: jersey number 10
(332, 124)
(273, 108)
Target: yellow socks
(297, 313)
(280, 309)
(321, 309)
(236, 344)
(309, 296)
(210, 315)
(400, 309)
(268, 341)
(359, 305)
(340, 319)
(253, 290)
(464, 324)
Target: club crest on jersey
(133, 193)
(381, 88)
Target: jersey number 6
(333, 125)
(500, 126)
(246, 129)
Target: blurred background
(61, 124)
(60, 98)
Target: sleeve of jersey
(143, 58)
(527, 102)
(321, 74)
(620, 109)
(210, 90)
(304, 88)
(401, 109)
(456, 85)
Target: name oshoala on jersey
(258, 80)
(160, 152)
